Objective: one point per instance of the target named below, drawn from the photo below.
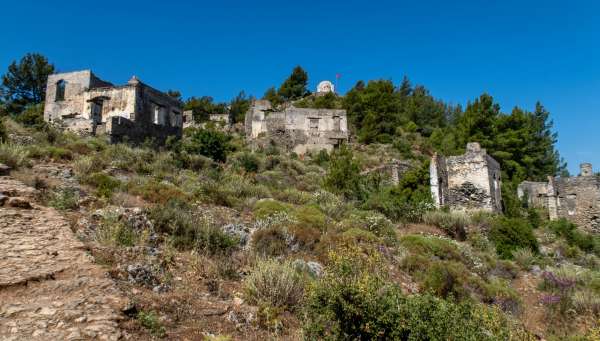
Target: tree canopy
(25, 81)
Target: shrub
(355, 301)
(157, 192)
(453, 223)
(50, 152)
(32, 116)
(574, 237)
(249, 162)
(270, 241)
(104, 183)
(190, 232)
(510, 234)
(343, 175)
(150, 321)
(310, 216)
(14, 156)
(276, 284)
(208, 142)
(266, 208)
(65, 199)
(114, 232)
(524, 257)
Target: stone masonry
(50, 288)
(466, 182)
(576, 198)
(296, 129)
(84, 103)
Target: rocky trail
(50, 288)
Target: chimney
(473, 147)
(586, 169)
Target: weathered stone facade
(296, 129)
(466, 182)
(82, 102)
(394, 169)
(222, 120)
(575, 198)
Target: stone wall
(90, 104)
(297, 129)
(466, 182)
(575, 198)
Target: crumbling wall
(466, 182)
(89, 106)
(578, 199)
(73, 103)
(120, 129)
(296, 129)
(574, 198)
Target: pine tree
(25, 82)
(296, 86)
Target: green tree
(343, 176)
(478, 122)
(25, 82)
(295, 86)
(208, 142)
(204, 106)
(239, 106)
(272, 96)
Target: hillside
(267, 244)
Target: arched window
(60, 90)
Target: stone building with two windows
(296, 129)
(82, 102)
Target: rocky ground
(50, 288)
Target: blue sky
(518, 51)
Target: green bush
(50, 152)
(453, 223)
(355, 301)
(249, 162)
(32, 116)
(150, 321)
(265, 208)
(104, 183)
(65, 199)
(114, 232)
(574, 237)
(270, 241)
(14, 156)
(343, 175)
(511, 234)
(275, 284)
(188, 231)
(208, 142)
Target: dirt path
(50, 289)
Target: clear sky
(518, 51)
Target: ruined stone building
(466, 182)
(576, 198)
(296, 129)
(222, 119)
(83, 103)
(393, 169)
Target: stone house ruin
(83, 103)
(393, 169)
(221, 119)
(466, 182)
(576, 198)
(297, 129)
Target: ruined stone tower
(466, 182)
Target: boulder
(19, 202)
(4, 169)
